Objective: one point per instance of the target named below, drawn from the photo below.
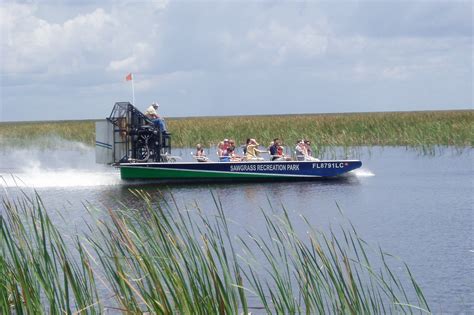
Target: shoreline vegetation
(413, 129)
(159, 258)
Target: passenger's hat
(155, 104)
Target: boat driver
(155, 118)
(151, 111)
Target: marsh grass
(414, 129)
(167, 260)
(47, 134)
(453, 128)
(38, 273)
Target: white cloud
(397, 72)
(368, 72)
(35, 45)
(95, 41)
(160, 4)
(279, 43)
(153, 4)
(146, 82)
(138, 60)
(53, 52)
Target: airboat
(141, 148)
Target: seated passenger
(269, 148)
(232, 144)
(252, 152)
(226, 144)
(233, 156)
(222, 152)
(276, 151)
(303, 151)
(300, 151)
(200, 155)
(309, 151)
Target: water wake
(361, 172)
(36, 168)
(60, 178)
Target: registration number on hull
(329, 165)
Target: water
(416, 207)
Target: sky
(68, 59)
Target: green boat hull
(250, 171)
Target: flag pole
(133, 92)
(129, 77)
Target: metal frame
(138, 136)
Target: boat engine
(128, 136)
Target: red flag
(129, 77)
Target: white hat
(155, 104)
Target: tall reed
(430, 128)
(47, 134)
(38, 272)
(454, 128)
(167, 260)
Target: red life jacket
(279, 150)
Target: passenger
(270, 145)
(280, 153)
(222, 152)
(200, 155)
(307, 145)
(280, 150)
(226, 143)
(309, 152)
(232, 144)
(300, 151)
(252, 152)
(233, 156)
(276, 151)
